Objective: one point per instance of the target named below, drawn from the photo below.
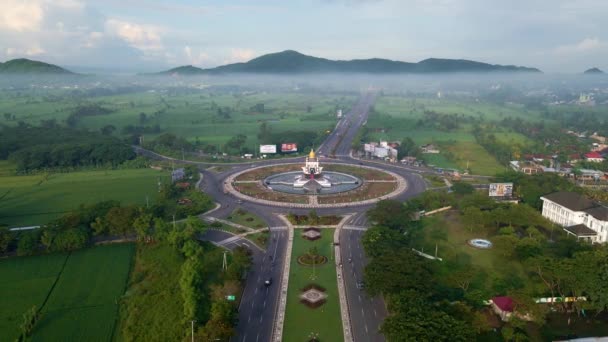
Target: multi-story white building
(580, 216)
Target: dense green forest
(35, 148)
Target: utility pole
(225, 263)
(173, 221)
(147, 202)
(183, 157)
(192, 329)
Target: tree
(6, 237)
(381, 240)
(462, 188)
(70, 239)
(100, 226)
(391, 214)
(386, 274)
(505, 244)
(473, 218)
(142, 225)
(120, 220)
(108, 129)
(28, 243)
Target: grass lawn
(300, 320)
(260, 239)
(247, 219)
(479, 161)
(37, 199)
(25, 282)
(447, 232)
(77, 294)
(439, 160)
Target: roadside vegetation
(530, 258)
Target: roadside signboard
(289, 147)
(501, 190)
(231, 297)
(268, 149)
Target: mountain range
(28, 66)
(294, 62)
(593, 71)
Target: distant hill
(593, 71)
(294, 62)
(27, 66)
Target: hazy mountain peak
(28, 66)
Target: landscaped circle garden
(340, 184)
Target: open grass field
(479, 161)
(37, 199)
(451, 236)
(300, 320)
(439, 160)
(247, 219)
(193, 115)
(77, 294)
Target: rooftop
(504, 303)
(600, 212)
(580, 230)
(571, 200)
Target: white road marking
(375, 313)
(264, 303)
(359, 297)
(261, 318)
(257, 337)
(367, 331)
(249, 319)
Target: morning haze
(303, 171)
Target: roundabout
(313, 185)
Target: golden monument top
(312, 154)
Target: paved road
(258, 306)
(367, 314)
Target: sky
(144, 35)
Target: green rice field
(37, 199)
(77, 294)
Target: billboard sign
(289, 147)
(501, 190)
(268, 149)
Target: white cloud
(16, 15)
(586, 45)
(195, 57)
(33, 50)
(142, 37)
(240, 55)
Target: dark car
(360, 285)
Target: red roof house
(503, 306)
(594, 157)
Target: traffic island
(313, 296)
(313, 307)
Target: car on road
(239, 201)
(360, 284)
(268, 282)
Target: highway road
(366, 313)
(258, 306)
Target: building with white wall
(580, 216)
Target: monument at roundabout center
(312, 179)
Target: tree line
(35, 148)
